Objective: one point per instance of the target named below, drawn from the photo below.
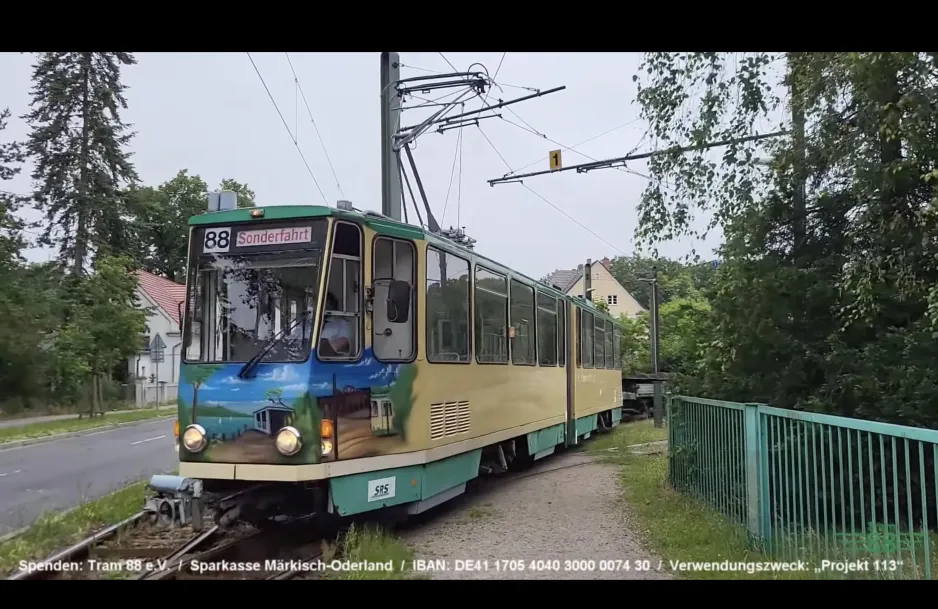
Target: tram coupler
(177, 501)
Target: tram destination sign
(237, 240)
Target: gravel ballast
(565, 513)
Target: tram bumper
(176, 501)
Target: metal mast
(391, 195)
(395, 139)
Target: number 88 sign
(216, 240)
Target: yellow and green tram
(340, 362)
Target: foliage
(73, 323)
(826, 297)
(104, 313)
(197, 376)
(11, 159)
(634, 344)
(683, 313)
(77, 142)
(162, 215)
(675, 279)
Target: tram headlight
(326, 447)
(194, 438)
(288, 441)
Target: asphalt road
(63, 473)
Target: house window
(612, 299)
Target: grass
(373, 544)
(52, 532)
(625, 435)
(49, 428)
(682, 528)
(480, 512)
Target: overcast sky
(209, 113)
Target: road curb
(75, 434)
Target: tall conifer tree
(78, 143)
(11, 157)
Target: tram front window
(238, 303)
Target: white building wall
(141, 365)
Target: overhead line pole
(585, 167)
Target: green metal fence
(812, 486)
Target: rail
(812, 486)
(46, 569)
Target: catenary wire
(542, 198)
(296, 80)
(287, 127)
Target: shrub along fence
(812, 486)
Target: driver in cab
(336, 337)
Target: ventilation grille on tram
(448, 419)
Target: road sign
(555, 160)
(156, 348)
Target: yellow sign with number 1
(555, 160)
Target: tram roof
(382, 225)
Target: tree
(634, 344)
(197, 376)
(245, 194)
(77, 141)
(826, 296)
(162, 220)
(104, 326)
(275, 395)
(11, 159)
(675, 279)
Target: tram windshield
(238, 303)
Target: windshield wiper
(251, 364)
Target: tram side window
(393, 259)
(578, 348)
(523, 349)
(546, 330)
(447, 307)
(610, 352)
(599, 342)
(341, 333)
(491, 317)
(617, 348)
(561, 332)
(586, 329)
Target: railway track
(285, 551)
(133, 547)
(136, 548)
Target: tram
(338, 362)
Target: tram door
(568, 336)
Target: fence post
(669, 406)
(753, 444)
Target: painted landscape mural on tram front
(242, 416)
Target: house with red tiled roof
(163, 299)
(606, 288)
